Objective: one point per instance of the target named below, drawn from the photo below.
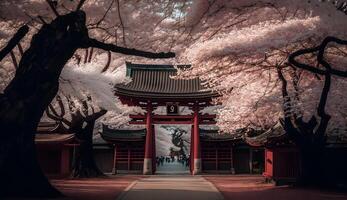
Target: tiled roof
(110, 134)
(154, 81)
(47, 127)
(53, 138)
(215, 135)
(273, 135)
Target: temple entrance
(172, 147)
(176, 126)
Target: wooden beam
(202, 117)
(172, 117)
(208, 122)
(172, 122)
(137, 123)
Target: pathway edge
(219, 193)
(126, 190)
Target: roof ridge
(155, 66)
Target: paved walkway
(171, 188)
(172, 168)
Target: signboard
(172, 109)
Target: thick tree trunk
(23, 103)
(84, 164)
(27, 96)
(19, 170)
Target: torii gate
(151, 86)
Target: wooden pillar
(154, 153)
(129, 158)
(216, 151)
(250, 161)
(232, 168)
(114, 168)
(65, 161)
(147, 163)
(197, 151)
(191, 157)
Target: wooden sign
(172, 109)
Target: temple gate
(153, 86)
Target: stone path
(169, 187)
(172, 168)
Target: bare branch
(61, 105)
(80, 4)
(22, 31)
(105, 14)
(121, 22)
(127, 51)
(53, 5)
(14, 60)
(51, 115)
(20, 49)
(321, 49)
(84, 108)
(109, 55)
(86, 56)
(96, 115)
(41, 19)
(90, 55)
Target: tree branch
(61, 105)
(51, 115)
(108, 62)
(22, 31)
(91, 55)
(86, 56)
(96, 115)
(288, 124)
(127, 51)
(80, 4)
(84, 108)
(53, 7)
(14, 60)
(321, 106)
(20, 49)
(321, 49)
(121, 22)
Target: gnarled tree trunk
(27, 96)
(24, 101)
(84, 165)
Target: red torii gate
(152, 86)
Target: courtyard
(173, 99)
(211, 187)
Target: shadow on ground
(254, 188)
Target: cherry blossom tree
(240, 48)
(247, 62)
(35, 84)
(87, 95)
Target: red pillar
(197, 153)
(216, 152)
(65, 161)
(147, 163)
(232, 169)
(191, 157)
(114, 168)
(154, 163)
(129, 158)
